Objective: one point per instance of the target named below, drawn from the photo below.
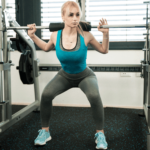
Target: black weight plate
(21, 69)
(28, 67)
(25, 68)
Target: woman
(71, 49)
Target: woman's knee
(47, 95)
(93, 98)
(93, 95)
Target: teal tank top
(72, 61)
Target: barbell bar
(90, 26)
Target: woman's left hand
(103, 22)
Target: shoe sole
(99, 147)
(48, 139)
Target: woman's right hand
(32, 30)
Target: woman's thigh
(90, 87)
(56, 86)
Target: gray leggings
(63, 81)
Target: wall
(115, 91)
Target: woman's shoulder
(54, 34)
(87, 35)
(54, 37)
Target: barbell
(86, 27)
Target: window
(12, 11)
(50, 13)
(117, 12)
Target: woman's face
(71, 17)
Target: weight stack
(29, 12)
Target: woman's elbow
(105, 52)
(45, 48)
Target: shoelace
(41, 133)
(99, 138)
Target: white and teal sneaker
(100, 141)
(43, 137)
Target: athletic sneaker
(100, 141)
(42, 138)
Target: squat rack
(8, 23)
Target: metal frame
(5, 71)
(5, 101)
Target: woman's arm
(104, 47)
(43, 45)
(40, 43)
(105, 43)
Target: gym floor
(73, 128)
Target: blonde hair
(73, 4)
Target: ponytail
(80, 29)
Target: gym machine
(29, 67)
